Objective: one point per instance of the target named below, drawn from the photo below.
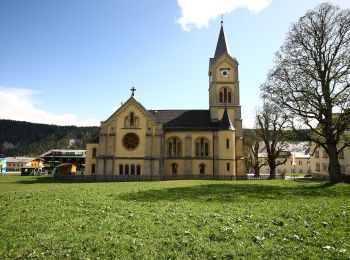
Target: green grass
(41, 219)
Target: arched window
(132, 119)
(174, 147)
(132, 169)
(225, 95)
(202, 168)
(121, 168)
(138, 169)
(202, 147)
(174, 168)
(126, 169)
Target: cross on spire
(133, 91)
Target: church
(138, 141)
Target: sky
(73, 62)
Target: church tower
(224, 93)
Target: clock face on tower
(225, 73)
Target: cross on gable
(133, 91)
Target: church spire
(221, 46)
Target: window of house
(300, 162)
(227, 143)
(126, 169)
(174, 168)
(174, 147)
(324, 167)
(202, 147)
(325, 155)
(138, 169)
(93, 168)
(228, 166)
(318, 167)
(342, 169)
(317, 154)
(121, 168)
(94, 151)
(132, 169)
(202, 168)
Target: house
(298, 159)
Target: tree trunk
(272, 166)
(334, 166)
(256, 170)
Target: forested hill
(29, 139)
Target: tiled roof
(163, 116)
(191, 120)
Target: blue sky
(74, 61)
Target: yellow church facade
(137, 141)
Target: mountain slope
(19, 138)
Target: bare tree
(251, 145)
(270, 124)
(310, 81)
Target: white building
(302, 159)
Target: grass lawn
(42, 218)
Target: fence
(129, 178)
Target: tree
(310, 80)
(251, 148)
(270, 126)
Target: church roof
(191, 120)
(163, 116)
(221, 46)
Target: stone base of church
(124, 178)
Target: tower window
(228, 166)
(225, 95)
(94, 151)
(202, 147)
(227, 143)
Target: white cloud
(200, 12)
(18, 104)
